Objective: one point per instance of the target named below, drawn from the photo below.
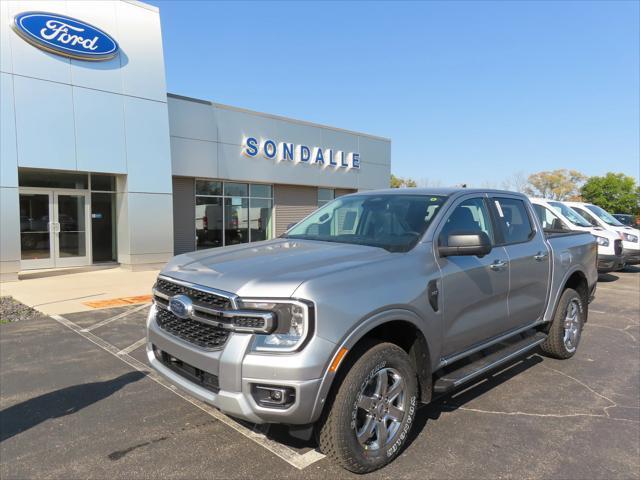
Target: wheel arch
(401, 327)
(577, 280)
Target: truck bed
(551, 233)
(571, 251)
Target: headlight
(629, 238)
(604, 242)
(294, 321)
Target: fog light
(276, 395)
(273, 396)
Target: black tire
(337, 427)
(556, 345)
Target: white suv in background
(555, 215)
(597, 216)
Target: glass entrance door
(71, 236)
(53, 228)
(36, 239)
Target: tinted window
(236, 189)
(262, 191)
(470, 216)
(105, 183)
(208, 187)
(513, 220)
(46, 179)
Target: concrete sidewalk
(68, 293)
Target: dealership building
(99, 164)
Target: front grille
(192, 331)
(617, 247)
(200, 377)
(198, 297)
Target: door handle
(498, 265)
(540, 256)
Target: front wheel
(566, 328)
(373, 411)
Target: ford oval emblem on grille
(181, 306)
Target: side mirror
(461, 243)
(290, 226)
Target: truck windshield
(393, 222)
(571, 215)
(605, 216)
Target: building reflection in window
(231, 213)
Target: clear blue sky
(468, 91)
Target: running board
(510, 350)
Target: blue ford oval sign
(65, 36)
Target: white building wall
(110, 117)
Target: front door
(474, 289)
(53, 228)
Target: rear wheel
(566, 328)
(373, 411)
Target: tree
(399, 182)
(615, 192)
(516, 183)
(556, 185)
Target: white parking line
(117, 317)
(290, 456)
(131, 348)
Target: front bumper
(237, 370)
(631, 257)
(610, 263)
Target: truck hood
(270, 269)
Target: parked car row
(618, 243)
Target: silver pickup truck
(373, 304)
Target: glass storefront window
(260, 214)
(261, 191)
(49, 179)
(207, 187)
(230, 213)
(103, 183)
(325, 195)
(236, 189)
(236, 220)
(34, 226)
(209, 222)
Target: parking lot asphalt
(78, 401)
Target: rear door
(474, 289)
(529, 258)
